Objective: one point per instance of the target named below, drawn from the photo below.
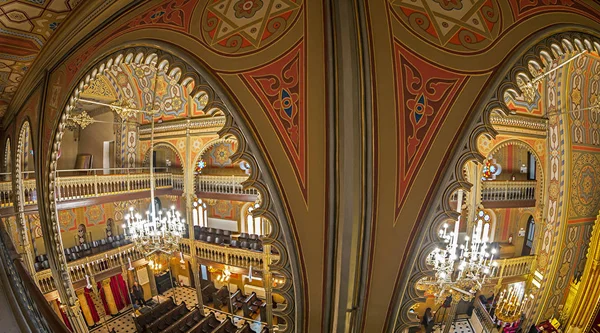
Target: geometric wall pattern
(280, 87)
(25, 26)
(425, 93)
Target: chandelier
(157, 232)
(512, 303)
(462, 268)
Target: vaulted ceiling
(25, 26)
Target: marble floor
(461, 325)
(123, 322)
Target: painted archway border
(543, 53)
(188, 72)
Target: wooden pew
(206, 325)
(186, 322)
(221, 298)
(208, 292)
(237, 300)
(168, 318)
(147, 318)
(226, 327)
(251, 305)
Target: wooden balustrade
(223, 184)
(223, 254)
(29, 192)
(78, 187)
(512, 267)
(6, 192)
(91, 265)
(482, 315)
(508, 190)
(178, 182)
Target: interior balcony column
(24, 248)
(588, 293)
(268, 285)
(188, 193)
(456, 297)
(23, 227)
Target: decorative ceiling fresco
(25, 26)
(432, 66)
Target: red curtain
(103, 298)
(91, 305)
(114, 287)
(123, 288)
(64, 317)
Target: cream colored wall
(92, 138)
(69, 149)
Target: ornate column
(456, 297)
(268, 285)
(588, 293)
(44, 168)
(188, 188)
(25, 248)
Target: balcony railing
(508, 190)
(224, 254)
(95, 184)
(483, 317)
(91, 265)
(6, 192)
(223, 184)
(513, 267)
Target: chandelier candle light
(158, 232)
(511, 304)
(464, 267)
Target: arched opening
(265, 248)
(522, 132)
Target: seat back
(226, 327)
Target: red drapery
(64, 317)
(91, 305)
(123, 288)
(114, 287)
(103, 298)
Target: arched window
(199, 214)
(530, 233)
(254, 225)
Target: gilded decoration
(25, 28)
(239, 26)
(585, 185)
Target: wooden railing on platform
(508, 190)
(223, 184)
(513, 267)
(224, 254)
(95, 185)
(91, 265)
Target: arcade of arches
(318, 152)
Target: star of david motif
(248, 18)
(454, 23)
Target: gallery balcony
(508, 193)
(100, 265)
(224, 254)
(77, 188)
